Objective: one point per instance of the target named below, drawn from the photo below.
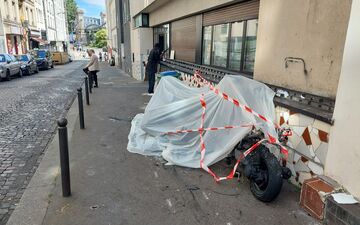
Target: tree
(71, 8)
(100, 39)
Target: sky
(92, 7)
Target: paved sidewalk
(112, 186)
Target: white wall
(343, 159)
(111, 26)
(61, 31)
(313, 30)
(40, 14)
(2, 34)
(178, 8)
(141, 44)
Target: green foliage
(71, 10)
(100, 39)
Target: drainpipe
(45, 20)
(55, 25)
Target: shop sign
(15, 30)
(35, 33)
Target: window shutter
(183, 39)
(238, 12)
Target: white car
(9, 66)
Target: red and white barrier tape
(210, 129)
(234, 101)
(273, 140)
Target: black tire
(268, 189)
(8, 76)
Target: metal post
(64, 157)
(87, 91)
(81, 109)
(90, 82)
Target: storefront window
(207, 45)
(250, 45)
(237, 30)
(220, 45)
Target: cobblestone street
(29, 107)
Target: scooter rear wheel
(268, 188)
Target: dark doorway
(161, 42)
(161, 36)
(16, 46)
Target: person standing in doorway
(93, 67)
(151, 66)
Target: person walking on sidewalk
(100, 56)
(93, 67)
(151, 66)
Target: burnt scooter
(261, 167)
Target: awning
(41, 41)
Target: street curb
(31, 209)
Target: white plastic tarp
(176, 106)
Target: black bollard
(87, 91)
(90, 83)
(81, 109)
(64, 157)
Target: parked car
(9, 66)
(43, 59)
(28, 64)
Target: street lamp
(26, 26)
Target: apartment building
(80, 35)
(12, 27)
(56, 28)
(91, 21)
(115, 27)
(2, 35)
(60, 25)
(28, 20)
(28, 24)
(102, 18)
(40, 39)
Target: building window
(236, 42)
(141, 20)
(250, 45)
(231, 46)
(220, 45)
(206, 48)
(14, 10)
(32, 17)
